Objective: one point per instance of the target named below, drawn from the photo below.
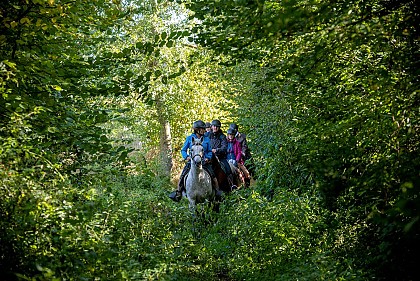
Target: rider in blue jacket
(199, 132)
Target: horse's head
(197, 151)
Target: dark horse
(222, 178)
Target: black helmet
(208, 125)
(216, 123)
(233, 126)
(231, 131)
(199, 125)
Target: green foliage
(51, 135)
(125, 228)
(332, 109)
(326, 92)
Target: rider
(234, 151)
(246, 153)
(199, 129)
(218, 143)
(208, 129)
(234, 155)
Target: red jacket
(234, 150)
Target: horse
(198, 181)
(238, 175)
(222, 178)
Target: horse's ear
(201, 139)
(193, 139)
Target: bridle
(199, 154)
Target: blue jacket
(188, 144)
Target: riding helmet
(208, 125)
(199, 125)
(216, 123)
(231, 131)
(233, 126)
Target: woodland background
(98, 96)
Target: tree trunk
(165, 142)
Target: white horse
(198, 181)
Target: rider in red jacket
(245, 152)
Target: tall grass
(126, 228)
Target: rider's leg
(229, 174)
(185, 171)
(215, 184)
(226, 166)
(214, 181)
(177, 194)
(231, 183)
(246, 174)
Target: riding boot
(216, 187)
(230, 180)
(177, 194)
(181, 186)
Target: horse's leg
(220, 175)
(222, 180)
(236, 176)
(204, 212)
(245, 175)
(195, 219)
(239, 177)
(192, 206)
(216, 206)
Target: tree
(344, 79)
(50, 130)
